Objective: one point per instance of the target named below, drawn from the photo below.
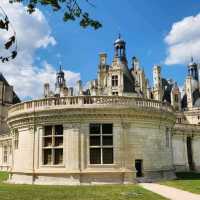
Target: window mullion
(53, 145)
(101, 143)
(52, 156)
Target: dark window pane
(107, 156)
(48, 130)
(107, 128)
(113, 83)
(58, 156)
(58, 130)
(95, 156)
(47, 156)
(47, 141)
(94, 128)
(58, 141)
(114, 80)
(5, 154)
(94, 140)
(107, 140)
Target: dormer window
(114, 81)
(115, 93)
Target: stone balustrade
(86, 101)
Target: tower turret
(120, 80)
(193, 70)
(60, 81)
(176, 97)
(120, 49)
(135, 63)
(157, 81)
(102, 73)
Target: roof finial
(60, 65)
(119, 35)
(192, 59)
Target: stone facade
(136, 136)
(7, 98)
(118, 130)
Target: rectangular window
(52, 145)
(101, 144)
(115, 93)
(179, 120)
(114, 81)
(5, 154)
(16, 139)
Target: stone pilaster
(71, 146)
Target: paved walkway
(170, 192)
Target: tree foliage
(10, 45)
(72, 10)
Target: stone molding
(82, 114)
(87, 101)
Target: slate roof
(16, 99)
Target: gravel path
(170, 192)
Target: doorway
(138, 167)
(189, 153)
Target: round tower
(193, 69)
(120, 48)
(60, 81)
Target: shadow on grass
(188, 176)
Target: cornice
(187, 129)
(83, 114)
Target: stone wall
(138, 133)
(180, 150)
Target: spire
(192, 59)
(193, 69)
(60, 80)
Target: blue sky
(142, 23)
(164, 32)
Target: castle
(118, 130)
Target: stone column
(118, 145)
(71, 146)
(83, 146)
(185, 151)
(128, 174)
(38, 147)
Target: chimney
(46, 90)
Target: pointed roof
(2, 79)
(192, 63)
(16, 99)
(119, 40)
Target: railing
(87, 101)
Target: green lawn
(186, 181)
(110, 192)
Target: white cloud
(29, 80)
(183, 41)
(33, 32)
